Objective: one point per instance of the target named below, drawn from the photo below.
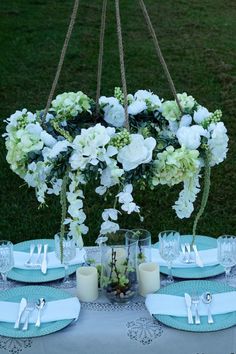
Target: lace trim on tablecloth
(15, 345)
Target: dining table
(111, 328)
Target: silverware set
(26, 308)
(38, 259)
(188, 256)
(192, 304)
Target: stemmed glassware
(6, 260)
(226, 249)
(65, 252)
(169, 242)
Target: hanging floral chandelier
(127, 143)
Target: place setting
(33, 311)
(184, 260)
(38, 261)
(194, 305)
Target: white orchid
(218, 142)
(184, 205)
(108, 227)
(110, 213)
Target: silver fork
(39, 248)
(29, 260)
(183, 249)
(188, 248)
(195, 302)
(30, 308)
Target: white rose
(190, 137)
(137, 107)
(114, 115)
(185, 121)
(144, 95)
(139, 151)
(111, 101)
(201, 114)
(47, 139)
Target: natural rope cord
(159, 53)
(62, 57)
(122, 64)
(101, 50)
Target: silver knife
(188, 302)
(22, 307)
(44, 264)
(198, 258)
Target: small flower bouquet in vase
(118, 271)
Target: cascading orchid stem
(205, 194)
(63, 202)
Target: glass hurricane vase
(118, 271)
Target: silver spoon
(39, 305)
(207, 299)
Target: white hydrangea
(70, 104)
(173, 166)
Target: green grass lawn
(198, 40)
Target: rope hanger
(101, 52)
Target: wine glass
(6, 260)
(169, 242)
(226, 254)
(65, 250)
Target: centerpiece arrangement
(75, 144)
(125, 143)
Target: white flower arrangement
(164, 146)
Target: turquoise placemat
(197, 286)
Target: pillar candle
(149, 278)
(87, 283)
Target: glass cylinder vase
(144, 244)
(118, 261)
